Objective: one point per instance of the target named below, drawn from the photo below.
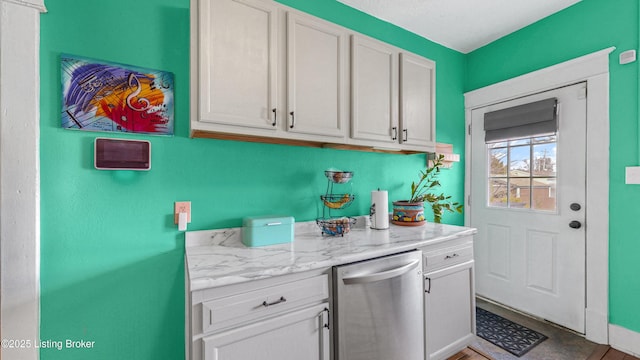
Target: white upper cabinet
(417, 102)
(374, 92)
(261, 71)
(237, 81)
(316, 71)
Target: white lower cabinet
(279, 318)
(288, 317)
(449, 301)
(302, 334)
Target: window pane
(544, 194)
(519, 190)
(520, 142)
(544, 159)
(498, 162)
(497, 145)
(497, 192)
(519, 160)
(543, 139)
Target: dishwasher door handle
(380, 275)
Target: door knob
(575, 207)
(575, 224)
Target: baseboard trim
(624, 340)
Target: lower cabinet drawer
(447, 256)
(247, 306)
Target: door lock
(575, 224)
(575, 207)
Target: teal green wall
(111, 258)
(586, 27)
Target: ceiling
(462, 25)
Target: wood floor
(470, 354)
(602, 352)
(605, 352)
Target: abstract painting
(103, 96)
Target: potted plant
(411, 212)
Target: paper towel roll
(379, 211)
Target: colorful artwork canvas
(103, 96)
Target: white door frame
(594, 70)
(20, 174)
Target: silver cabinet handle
(406, 135)
(380, 275)
(274, 223)
(395, 133)
(275, 119)
(293, 120)
(281, 300)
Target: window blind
(533, 119)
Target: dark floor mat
(512, 337)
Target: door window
(522, 173)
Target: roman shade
(533, 119)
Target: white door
(525, 197)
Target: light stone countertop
(218, 257)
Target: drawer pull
(451, 256)
(281, 300)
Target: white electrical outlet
(181, 207)
(632, 175)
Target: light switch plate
(632, 175)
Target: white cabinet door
(294, 336)
(238, 54)
(316, 70)
(417, 102)
(449, 310)
(374, 91)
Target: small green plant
(423, 191)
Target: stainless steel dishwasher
(378, 309)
